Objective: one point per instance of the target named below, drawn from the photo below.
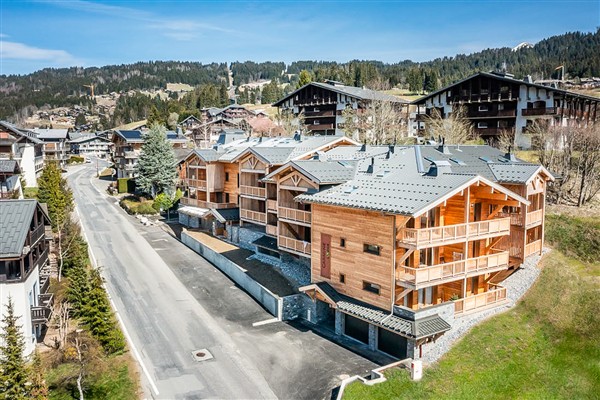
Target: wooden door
(325, 255)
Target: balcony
(253, 216)
(272, 206)
(533, 247)
(530, 112)
(491, 113)
(9, 194)
(297, 246)
(492, 131)
(128, 167)
(196, 183)
(515, 219)
(37, 234)
(534, 217)
(313, 114)
(253, 191)
(131, 154)
(271, 230)
(190, 201)
(294, 215)
(480, 301)
(320, 127)
(41, 314)
(444, 235)
(437, 274)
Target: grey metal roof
(83, 138)
(226, 214)
(323, 172)
(349, 153)
(266, 242)
(273, 155)
(513, 173)
(47, 134)
(356, 92)
(208, 155)
(28, 135)
(15, 221)
(8, 166)
(421, 328)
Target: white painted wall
(27, 165)
(24, 295)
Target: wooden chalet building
(23, 260)
(56, 146)
(127, 146)
(497, 102)
(322, 104)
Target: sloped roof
(514, 173)
(318, 171)
(9, 166)
(83, 138)
(226, 214)
(272, 155)
(418, 329)
(23, 133)
(46, 134)
(137, 136)
(207, 155)
(14, 225)
(356, 92)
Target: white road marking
(121, 323)
(265, 322)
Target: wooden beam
(493, 243)
(401, 295)
(495, 212)
(406, 254)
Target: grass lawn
(547, 347)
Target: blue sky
(46, 33)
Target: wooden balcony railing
(253, 216)
(42, 259)
(480, 300)
(320, 127)
(271, 205)
(253, 191)
(9, 194)
(196, 183)
(190, 201)
(534, 217)
(455, 269)
(528, 112)
(42, 313)
(37, 234)
(533, 247)
(131, 154)
(491, 113)
(515, 219)
(271, 230)
(292, 244)
(294, 215)
(454, 233)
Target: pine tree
(156, 170)
(54, 191)
(78, 289)
(305, 78)
(14, 378)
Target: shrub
(137, 205)
(122, 185)
(576, 237)
(75, 160)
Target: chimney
(260, 139)
(510, 155)
(297, 136)
(371, 167)
(438, 168)
(363, 147)
(442, 148)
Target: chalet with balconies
(24, 251)
(10, 180)
(322, 104)
(418, 237)
(91, 144)
(24, 147)
(56, 146)
(497, 102)
(127, 146)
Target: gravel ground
(516, 286)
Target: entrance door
(325, 255)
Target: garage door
(356, 328)
(392, 344)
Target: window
(226, 176)
(371, 287)
(371, 248)
(316, 122)
(342, 278)
(226, 197)
(342, 242)
(315, 109)
(482, 125)
(500, 106)
(483, 108)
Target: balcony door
(325, 255)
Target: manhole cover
(202, 355)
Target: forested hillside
(578, 52)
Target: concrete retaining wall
(270, 301)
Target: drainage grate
(202, 355)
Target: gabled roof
(14, 225)
(50, 134)
(188, 118)
(356, 92)
(272, 155)
(503, 78)
(320, 172)
(137, 136)
(9, 166)
(21, 133)
(226, 214)
(88, 138)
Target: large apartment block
(496, 102)
(400, 240)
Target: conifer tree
(305, 78)
(156, 170)
(78, 289)
(39, 389)
(14, 378)
(54, 191)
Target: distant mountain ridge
(19, 94)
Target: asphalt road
(172, 302)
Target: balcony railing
(190, 201)
(271, 230)
(491, 113)
(253, 191)
(294, 215)
(272, 205)
(529, 112)
(492, 131)
(533, 247)
(515, 219)
(454, 233)
(42, 259)
(131, 154)
(42, 313)
(37, 234)
(196, 183)
(9, 194)
(320, 127)
(534, 217)
(480, 300)
(254, 216)
(298, 246)
(455, 269)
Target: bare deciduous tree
(61, 322)
(290, 123)
(455, 128)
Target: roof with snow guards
(14, 225)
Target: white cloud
(21, 51)
(2, 36)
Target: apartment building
(24, 147)
(56, 146)
(127, 146)
(496, 102)
(91, 144)
(24, 247)
(322, 104)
